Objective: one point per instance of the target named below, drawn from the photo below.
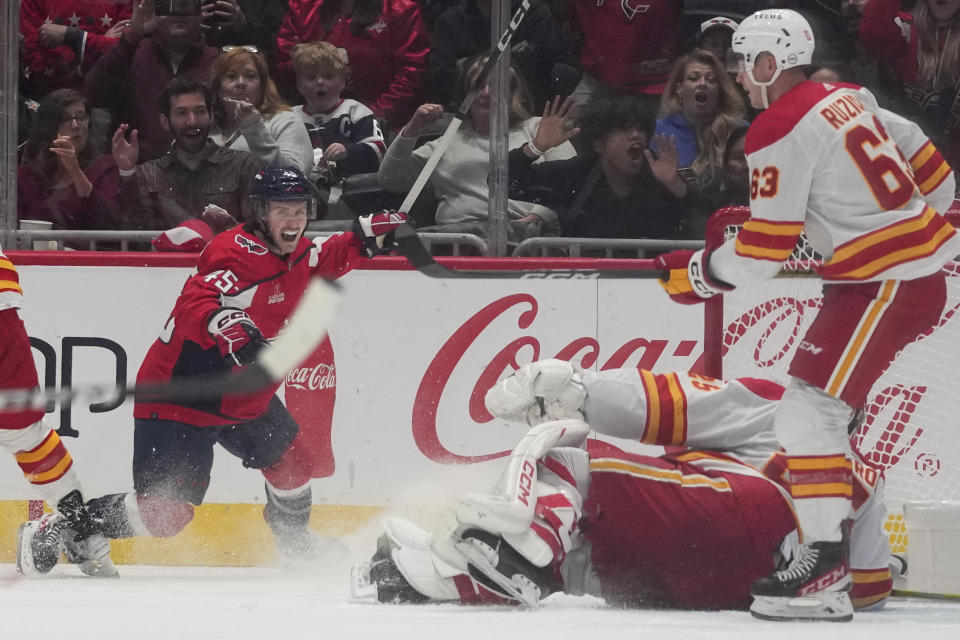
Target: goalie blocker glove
(376, 231)
(686, 276)
(238, 338)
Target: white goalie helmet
(783, 33)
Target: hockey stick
(461, 113)
(925, 595)
(304, 331)
(409, 245)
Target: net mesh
(912, 418)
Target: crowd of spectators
(148, 114)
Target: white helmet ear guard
(783, 33)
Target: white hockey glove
(545, 390)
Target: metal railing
(122, 240)
(574, 247)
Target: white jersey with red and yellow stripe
(727, 426)
(864, 184)
(11, 295)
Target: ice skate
(39, 544)
(813, 586)
(91, 554)
(301, 548)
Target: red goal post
(912, 427)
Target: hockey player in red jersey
(42, 456)
(865, 186)
(690, 529)
(248, 281)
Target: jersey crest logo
(632, 10)
(251, 246)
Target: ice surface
(257, 603)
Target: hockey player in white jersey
(691, 529)
(865, 186)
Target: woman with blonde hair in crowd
(460, 179)
(699, 109)
(922, 50)
(251, 116)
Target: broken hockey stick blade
(409, 245)
(304, 331)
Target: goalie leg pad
(512, 507)
(405, 569)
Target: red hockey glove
(376, 231)
(685, 276)
(237, 336)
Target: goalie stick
(464, 107)
(304, 331)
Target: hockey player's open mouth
(289, 236)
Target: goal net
(912, 426)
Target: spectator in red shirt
(628, 47)
(386, 43)
(64, 38)
(59, 180)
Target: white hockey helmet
(783, 33)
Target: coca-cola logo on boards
(583, 351)
(322, 376)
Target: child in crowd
(344, 133)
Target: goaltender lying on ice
(689, 529)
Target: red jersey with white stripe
(236, 270)
(864, 184)
(719, 437)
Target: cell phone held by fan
(176, 7)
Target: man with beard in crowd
(152, 51)
(193, 175)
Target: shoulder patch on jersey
(776, 122)
(253, 247)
